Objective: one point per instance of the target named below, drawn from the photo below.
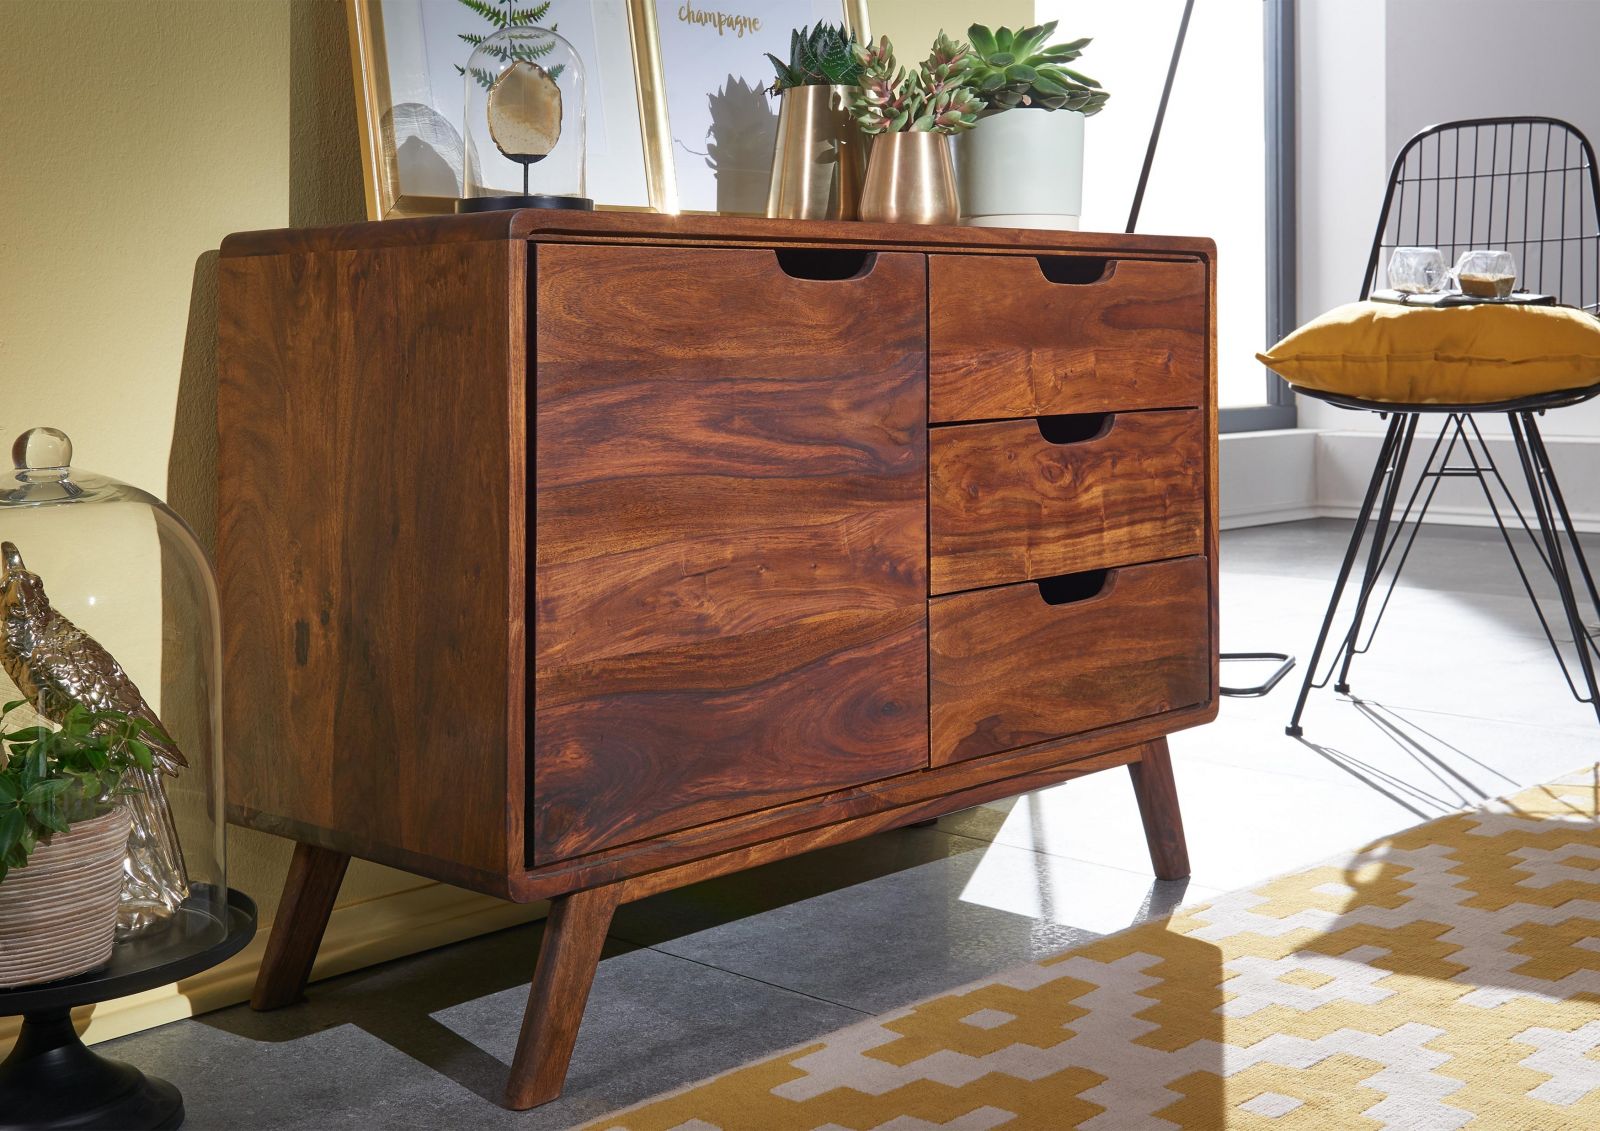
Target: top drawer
(1015, 336)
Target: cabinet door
(729, 546)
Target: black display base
(52, 1080)
(537, 200)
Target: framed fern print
(408, 57)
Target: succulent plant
(1015, 69)
(936, 98)
(823, 56)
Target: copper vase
(820, 159)
(910, 180)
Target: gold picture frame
(380, 172)
(660, 136)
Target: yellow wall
(137, 134)
(914, 24)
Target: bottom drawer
(1021, 664)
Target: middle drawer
(1025, 499)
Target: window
(1223, 167)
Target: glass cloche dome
(525, 132)
(109, 605)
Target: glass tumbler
(1486, 274)
(1417, 270)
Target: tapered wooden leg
(573, 936)
(1158, 806)
(308, 894)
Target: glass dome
(109, 603)
(525, 131)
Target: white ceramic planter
(58, 913)
(1022, 168)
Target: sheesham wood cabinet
(584, 556)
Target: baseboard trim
(362, 934)
(1344, 465)
(1235, 520)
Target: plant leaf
(11, 828)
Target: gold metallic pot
(821, 156)
(910, 180)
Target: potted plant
(820, 158)
(1021, 166)
(910, 178)
(63, 837)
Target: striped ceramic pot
(58, 913)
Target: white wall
(1342, 154)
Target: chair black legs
(1398, 425)
(1549, 506)
(1551, 532)
(1380, 547)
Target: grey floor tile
(1242, 824)
(425, 1042)
(1433, 762)
(910, 934)
(1464, 558)
(742, 895)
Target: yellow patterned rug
(1447, 976)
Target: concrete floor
(1461, 700)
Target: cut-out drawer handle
(1074, 588)
(825, 263)
(1076, 270)
(1076, 427)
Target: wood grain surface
(551, 226)
(1157, 793)
(310, 888)
(569, 952)
(1007, 670)
(729, 552)
(1005, 504)
(1005, 342)
(371, 464)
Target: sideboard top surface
(646, 227)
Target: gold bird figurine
(56, 664)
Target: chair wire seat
(1530, 185)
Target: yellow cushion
(1441, 355)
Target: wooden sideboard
(584, 556)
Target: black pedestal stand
(52, 1080)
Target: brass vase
(820, 159)
(910, 180)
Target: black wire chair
(1528, 185)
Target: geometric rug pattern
(1446, 977)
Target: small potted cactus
(820, 158)
(1021, 166)
(910, 177)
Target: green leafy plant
(51, 778)
(823, 56)
(1015, 69)
(503, 14)
(937, 97)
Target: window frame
(1279, 410)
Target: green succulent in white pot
(1021, 165)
